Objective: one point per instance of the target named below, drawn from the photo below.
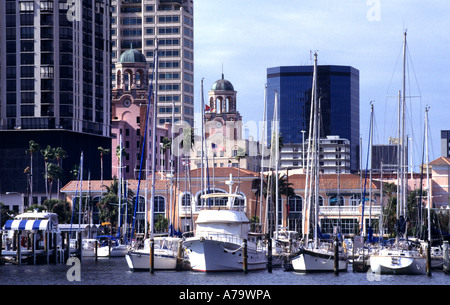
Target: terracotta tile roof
(161, 183)
(441, 161)
(333, 182)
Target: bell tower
(221, 114)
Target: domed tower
(221, 111)
(129, 102)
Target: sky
(244, 38)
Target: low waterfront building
(182, 205)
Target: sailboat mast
(119, 183)
(202, 141)
(403, 140)
(428, 175)
(276, 142)
(153, 153)
(309, 175)
(316, 156)
(263, 136)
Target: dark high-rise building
(54, 86)
(338, 90)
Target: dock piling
(96, 250)
(269, 253)
(445, 256)
(152, 253)
(336, 256)
(428, 258)
(245, 256)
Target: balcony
(348, 211)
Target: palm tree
(269, 188)
(239, 155)
(166, 144)
(59, 155)
(103, 151)
(32, 148)
(49, 154)
(108, 205)
(53, 172)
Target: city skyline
(246, 39)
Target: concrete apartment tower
(55, 61)
(169, 26)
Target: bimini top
(132, 56)
(222, 85)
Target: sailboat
(221, 237)
(110, 246)
(315, 256)
(165, 249)
(402, 257)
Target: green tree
(108, 205)
(103, 152)
(161, 224)
(240, 155)
(59, 155)
(49, 154)
(5, 214)
(53, 172)
(63, 210)
(166, 143)
(32, 148)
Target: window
(186, 200)
(333, 201)
(27, 84)
(26, 32)
(47, 72)
(26, 71)
(168, 30)
(27, 6)
(159, 206)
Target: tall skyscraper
(338, 90)
(55, 84)
(145, 25)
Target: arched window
(186, 200)
(119, 79)
(159, 205)
(333, 201)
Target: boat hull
(140, 260)
(116, 251)
(212, 255)
(311, 261)
(397, 264)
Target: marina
(115, 271)
(164, 196)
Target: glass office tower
(338, 89)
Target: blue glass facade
(338, 87)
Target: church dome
(132, 56)
(222, 85)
